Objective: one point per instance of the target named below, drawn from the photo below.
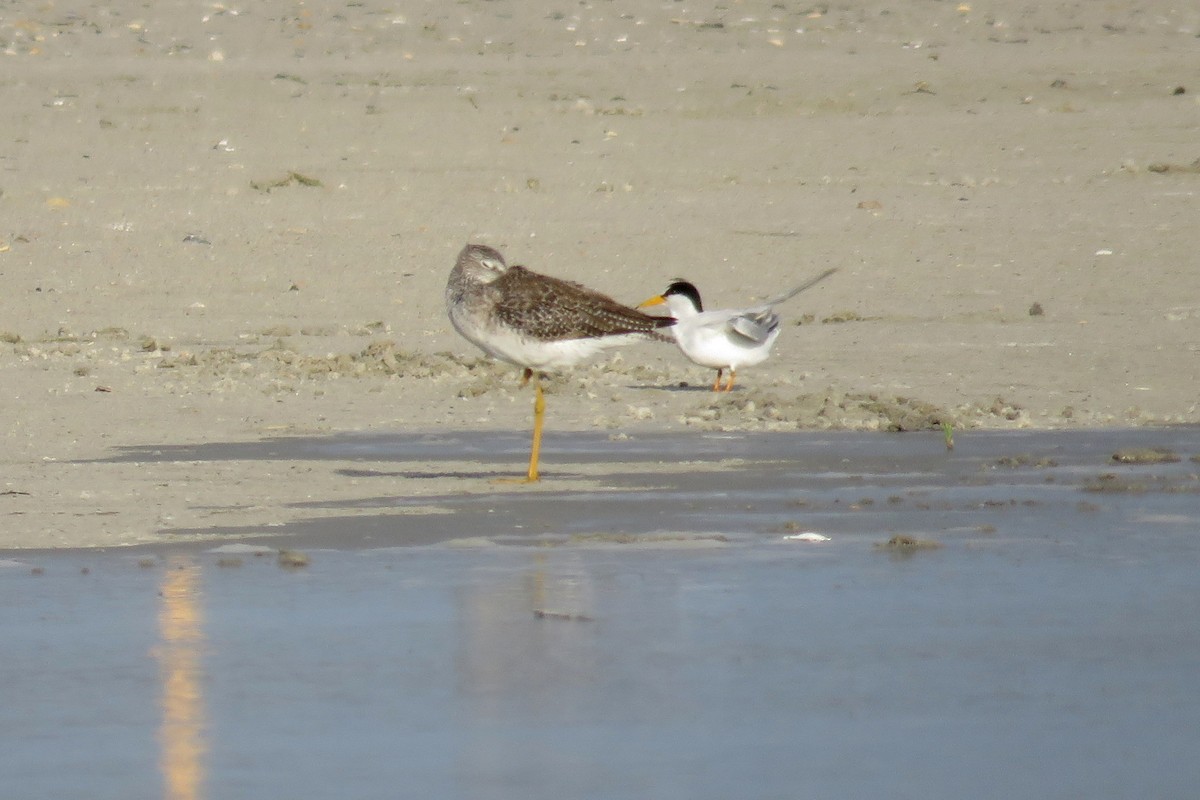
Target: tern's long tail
(788, 295)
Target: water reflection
(503, 656)
(181, 734)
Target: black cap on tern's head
(685, 289)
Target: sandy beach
(223, 224)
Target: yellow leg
(717, 382)
(732, 375)
(539, 415)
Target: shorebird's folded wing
(550, 309)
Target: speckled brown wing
(550, 309)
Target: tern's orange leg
(732, 375)
(717, 382)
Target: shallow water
(637, 641)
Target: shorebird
(728, 338)
(535, 321)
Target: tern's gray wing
(755, 327)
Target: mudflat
(224, 224)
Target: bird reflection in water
(181, 735)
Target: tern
(726, 339)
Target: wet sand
(404, 490)
(228, 224)
(706, 488)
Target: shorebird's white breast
(509, 345)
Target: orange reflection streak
(181, 734)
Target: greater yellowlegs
(535, 321)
